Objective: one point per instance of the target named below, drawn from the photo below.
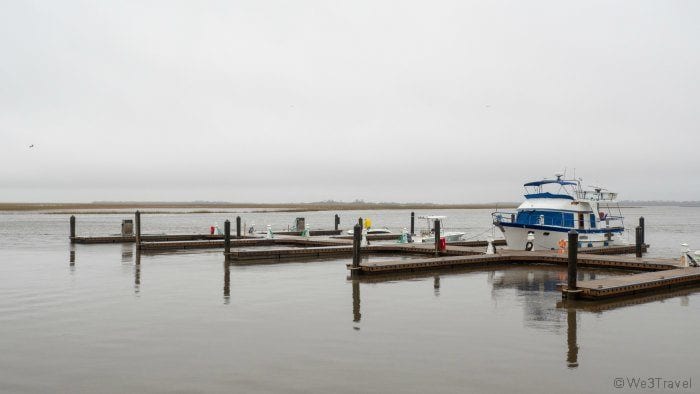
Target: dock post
(573, 261)
(641, 224)
(413, 223)
(356, 239)
(137, 223)
(437, 237)
(337, 221)
(72, 228)
(227, 239)
(238, 227)
(361, 223)
(638, 235)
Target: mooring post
(238, 227)
(573, 260)
(137, 223)
(337, 221)
(641, 224)
(361, 223)
(437, 237)
(413, 223)
(72, 227)
(638, 235)
(227, 239)
(356, 239)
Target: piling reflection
(137, 273)
(227, 283)
(571, 339)
(356, 314)
(538, 290)
(127, 253)
(71, 257)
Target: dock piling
(356, 239)
(72, 227)
(137, 223)
(227, 239)
(437, 237)
(413, 223)
(238, 227)
(573, 261)
(638, 235)
(641, 224)
(337, 221)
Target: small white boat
(429, 234)
(372, 231)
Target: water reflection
(356, 315)
(137, 273)
(436, 285)
(571, 339)
(127, 253)
(71, 258)
(227, 283)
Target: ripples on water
(185, 322)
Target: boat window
(550, 218)
(593, 220)
(580, 220)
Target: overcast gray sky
(442, 101)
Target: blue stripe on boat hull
(564, 229)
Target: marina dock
(649, 274)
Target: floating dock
(650, 274)
(632, 284)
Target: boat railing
(592, 195)
(610, 221)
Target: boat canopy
(548, 195)
(548, 181)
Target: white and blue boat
(553, 207)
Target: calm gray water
(181, 323)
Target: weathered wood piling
(413, 223)
(227, 239)
(137, 224)
(638, 241)
(437, 237)
(356, 248)
(572, 273)
(72, 227)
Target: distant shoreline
(163, 207)
(223, 207)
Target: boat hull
(449, 237)
(549, 238)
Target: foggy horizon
(271, 102)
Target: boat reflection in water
(538, 288)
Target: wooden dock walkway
(632, 284)
(243, 243)
(509, 257)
